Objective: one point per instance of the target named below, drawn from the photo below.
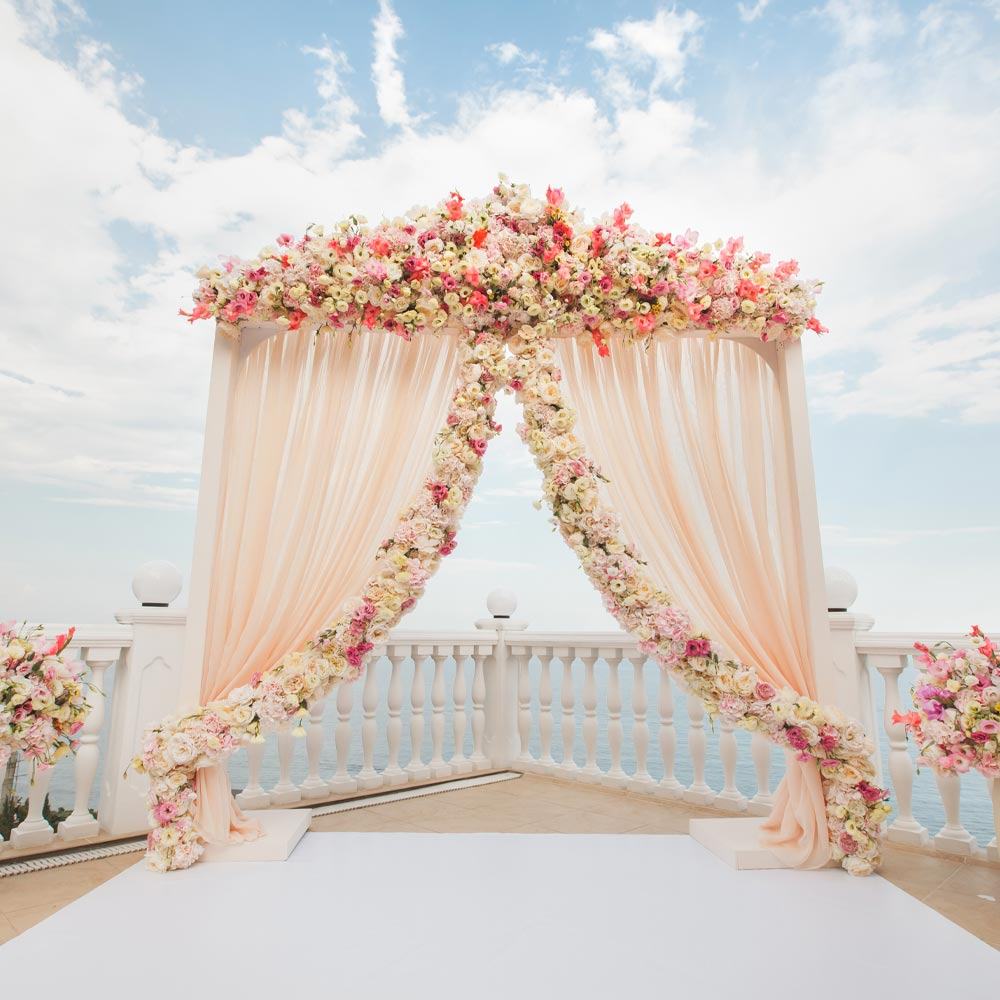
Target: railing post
(147, 681)
(501, 740)
(851, 680)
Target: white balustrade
(416, 769)
(698, 791)
(80, 824)
(342, 783)
(567, 723)
(591, 667)
(904, 829)
(460, 764)
(642, 780)
(760, 751)
(393, 773)
(314, 787)
(669, 786)
(615, 775)
(438, 767)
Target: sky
(143, 140)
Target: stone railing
(585, 707)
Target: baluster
(698, 791)
(524, 758)
(992, 850)
(342, 783)
(438, 766)
(254, 796)
(615, 775)
(80, 823)
(731, 799)
(760, 750)
(393, 773)
(479, 759)
(904, 829)
(460, 764)
(590, 770)
(952, 838)
(314, 787)
(545, 760)
(368, 777)
(416, 768)
(642, 780)
(669, 786)
(285, 792)
(34, 829)
(567, 722)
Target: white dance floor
(484, 916)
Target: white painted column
(368, 777)
(668, 787)
(342, 783)
(904, 829)
(314, 787)
(479, 759)
(730, 799)
(285, 792)
(80, 824)
(760, 750)
(615, 776)
(439, 767)
(699, 791)
(394, 774)
(642, 780)
(460, 764)
(501, 740)
(520, 665)
(34, 829)
(545, 760)
(255, 795)
(416, 769)
(953, 838)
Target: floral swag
(513, 273)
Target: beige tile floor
(966, 892)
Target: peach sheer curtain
(326, 440)
(688, 432)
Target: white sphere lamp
(841, 588)
(156, 583)
(501, 603)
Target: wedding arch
(375, 336)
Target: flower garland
(856, 806)
(173, 751)
(42, 701)
(957, 697)
(507, 260)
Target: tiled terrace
(966, 892)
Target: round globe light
(841, 588)
(156, 583)
(501, 603)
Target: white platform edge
(283, 829)
(735, 841)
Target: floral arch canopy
(511, 274)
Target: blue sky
(859, 136)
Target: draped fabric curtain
(326, 439)
(688, 432)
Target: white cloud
(659, 46)
(861, 23)
(390, 90)
(752, 12)
(505, 52)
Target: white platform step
(735, 841)
(283, 829)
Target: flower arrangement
(512, 272)
(42, 701)
(174, 750)
(856, 806)
(504, 261)
(957, 697)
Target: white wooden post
(460, 764)
(393, 773)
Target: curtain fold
(688, 432)
(326, 440)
